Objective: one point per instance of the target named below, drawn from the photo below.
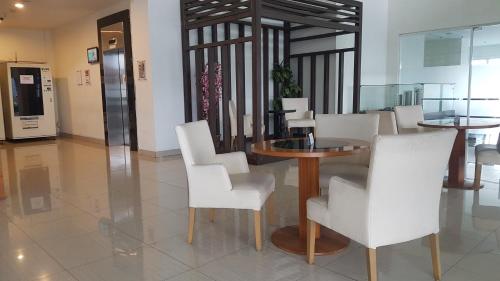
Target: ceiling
(48, 14)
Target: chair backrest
(196, 143)
(348, 126)
(407, 117)
(300, 105)
(387, 122)
(232, 118)
(404, 186)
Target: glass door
(484, 99)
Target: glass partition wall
(468, 59)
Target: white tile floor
(77, 211)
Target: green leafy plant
(282, 74)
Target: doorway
(117, 80)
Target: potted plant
(282, 74)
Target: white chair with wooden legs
(247, 124)
(220, 181)
(302, 117)
(486, 154)
(398, 202)
(346, 126)
(407, 118)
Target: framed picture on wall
(93, 55)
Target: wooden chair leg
(211, 215)
(311, 240)
(477, 176)
(192, 212)
(258, 233)
(436, 256)
(371, 264)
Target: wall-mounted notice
(87, 77)
(26, 79)
(141, 66)
(79, 78)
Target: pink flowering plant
(205, 89)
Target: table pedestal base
(288, 239)
(467, 185)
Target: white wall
(406, 16)
(29, 45)
(80, 107)
(166, 71)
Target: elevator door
(116, 97)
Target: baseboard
(82, 138)
(159, 154)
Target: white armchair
(302, 117)
(397, 202)
(407, 118)
(347, 126)
(486, 154)
(220, 180)
(247, 123)
(387, 122)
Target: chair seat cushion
(301, 123)
(487, 154)
(251, 190)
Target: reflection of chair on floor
(247, 123)
(486, 154)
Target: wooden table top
(299, 147)
(465, 123)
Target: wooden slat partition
(199, 65)
(312, 94)
(240, 95)
(340, 91)
(265, 75)
(226, 88)
(212, 110)
(326, 84)
(300, 74)
(257, 71)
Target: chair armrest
(210, 176)
(348, 208)
(235, 162)
(309, 114)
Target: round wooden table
(456, 164)
(293, 238)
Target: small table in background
(293, 238)
(279, 130)
(456, 165)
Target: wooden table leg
(293, 238)
(456, 164)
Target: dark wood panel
(357, 68)
(199, 65)
(312, 94)
(300, 74)
(212, 109)
(340, 92)
(257, 71)
(265, 79)
(326, 84)
(286, 43)
(276, 58)
(186, 72)
(240, 95)
(226, 88)
(319, 36)
(321, 53)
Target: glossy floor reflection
(77, 211)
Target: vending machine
(28, 100)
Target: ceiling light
(20, 257)
(19, 5)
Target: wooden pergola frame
(341, 16)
